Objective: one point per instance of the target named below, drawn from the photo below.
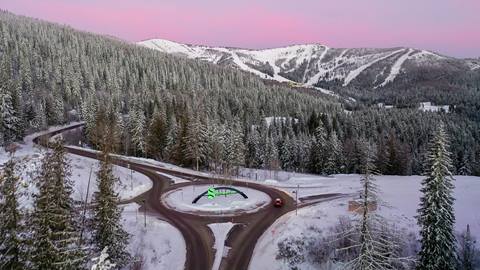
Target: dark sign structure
(213, 192)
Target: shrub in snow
(292, 251)
(102, 262)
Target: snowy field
(400, 195)
(159, 244)
(181, 200)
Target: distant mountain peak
(319, 65)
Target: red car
(278, 202)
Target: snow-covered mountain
(319, 65)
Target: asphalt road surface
(198, 237)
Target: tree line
(51, 74)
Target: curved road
(198, 237)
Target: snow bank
(220, 232)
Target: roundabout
(215, 200)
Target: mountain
(322, 66)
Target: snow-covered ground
(131, 184)
(159, 244)
(181, 200)
(429, 107)
(401, 196)
(220, 232)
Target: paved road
(198, 237)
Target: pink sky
(451, 27)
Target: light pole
(296, 200)
(144, 213)
(85, 205)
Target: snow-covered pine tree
(435, 215)
(334, 162)
(464, 168)
(375, 244)
(106, 222)
(157, 135)
(138, 126)
(54, 239)
(235, 148)
(467, 251)
(270, 156)
(171, 142)
(12, 243)
(216, 144)
(196, 142)
(253, 154)
(9, 122)
(286, 155)
(318, 153)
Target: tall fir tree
(375, 245)
(106, 221)
(9, 122)
(436, 216)
(12, 242)
(54, 240)
(319, 150)
(157, 135)
(196, 141)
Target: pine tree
(138, 127)
(467, 253)
(106, 223)
(318, 153)
(270, 156)
(196, 142)
(157, 136)
(235, 148)
(334, 162)
(55, 237)
(464, 165)
(12, 244)
(171, 142)
(376, 245)
(436, 217)
(9, 122)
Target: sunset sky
(451, 27)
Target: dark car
(278, 202)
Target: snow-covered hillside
(317, 65)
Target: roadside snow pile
(159, 244)
(401, 197)
(181, 200)
(220, 232)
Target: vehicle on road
(278, 202)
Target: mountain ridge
(317, 65)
